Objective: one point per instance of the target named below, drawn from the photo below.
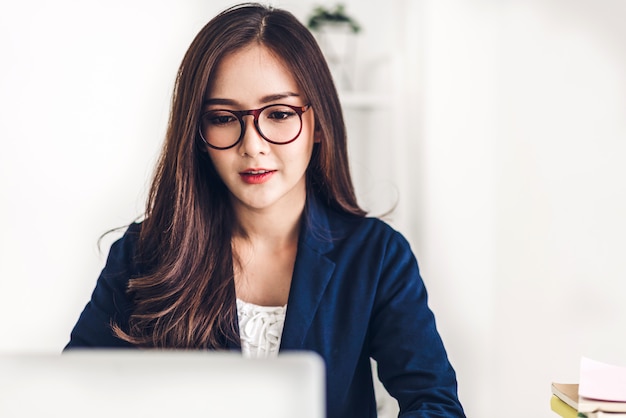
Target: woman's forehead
(253, 73)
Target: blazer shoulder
(109, 300)
(122, 261)
(372, 228)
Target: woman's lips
(256, 176)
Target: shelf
(362, 100)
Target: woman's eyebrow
(218, 101)
(274, 97)
(265, 99)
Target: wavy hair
(184, 296)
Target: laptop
(150, 383)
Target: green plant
(323, 15)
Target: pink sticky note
(602, 381)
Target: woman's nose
(252, 143)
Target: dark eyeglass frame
(239, 114)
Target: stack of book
(601, 392)
(564, 399)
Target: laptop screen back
(94, 383)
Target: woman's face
(260, 175)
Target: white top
(260, 328)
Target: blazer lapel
(312, 273)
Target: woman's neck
(265, 245)
(278, 226)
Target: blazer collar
(311, 275)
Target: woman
(252, 214)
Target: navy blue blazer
(356, 293)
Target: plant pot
(338, 42)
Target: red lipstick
(256, 175)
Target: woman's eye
(281, 115)
(218, 119)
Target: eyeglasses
(277, 123)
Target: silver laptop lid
(134, 383)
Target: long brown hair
(185, 295)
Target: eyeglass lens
(276, 123)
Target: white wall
(505, 154)
(522, 211)
(457, 205)
(85, 90)
(561, 188)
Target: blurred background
(497, 129)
